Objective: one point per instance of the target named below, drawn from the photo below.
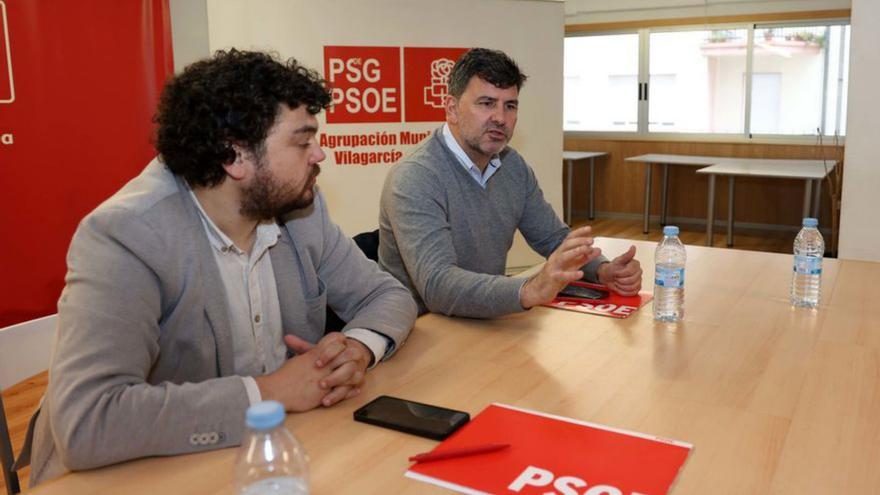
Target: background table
(774, 399)
(666, 161)
(812, 171)
(570, 157)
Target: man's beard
(265, 199)
(476, 143)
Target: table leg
(647, 196)
(817, 197)
(570, 177)
(592, 189)
(664, 194)
(710, 215)
(807, 195)
(731, 186)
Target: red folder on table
(614, 305)
(553, 454)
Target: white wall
(859, 224)
(189, 32)
(529, 31)
(592, 11)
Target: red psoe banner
(79, 83)
(365, 82)
(7, 86)
(426, 76)
(369, 87)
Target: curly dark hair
(230, 98)
(492, 66)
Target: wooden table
(811, 171)
(774, 399)
(570, 158)
(666, 161)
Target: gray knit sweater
(446, 238)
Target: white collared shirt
(254, 308)
(252, 301)
(482, 178)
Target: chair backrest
(25, 350)
(369, 244)
(7, 458)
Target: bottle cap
(670, 230)
(264, 415)
(811, 222)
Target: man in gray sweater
(449, 211)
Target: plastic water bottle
(669, 261)
(271, 460)
(806, 281)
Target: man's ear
(451, 106)
(237, 168)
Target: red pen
(459, 452)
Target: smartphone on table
(575, 291)
(411, 417)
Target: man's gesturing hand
(561, 268)
(623, 274)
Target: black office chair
(7, 459)
(369, 244)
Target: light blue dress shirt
(482, 178)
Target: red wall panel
(86, 76)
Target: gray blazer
(143, 363)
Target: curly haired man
(201, 286)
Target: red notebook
(614, 305)
(553, 454)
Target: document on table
(614, 305)
(549, 452)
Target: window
(601, 83)
(795, 58)
(694, 81)
(837, 77)
(766, 97)
(755, 79)
(621, 108)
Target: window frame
(746, 136)
(639, 118)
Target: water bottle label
(808, 265)
(672, 278)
